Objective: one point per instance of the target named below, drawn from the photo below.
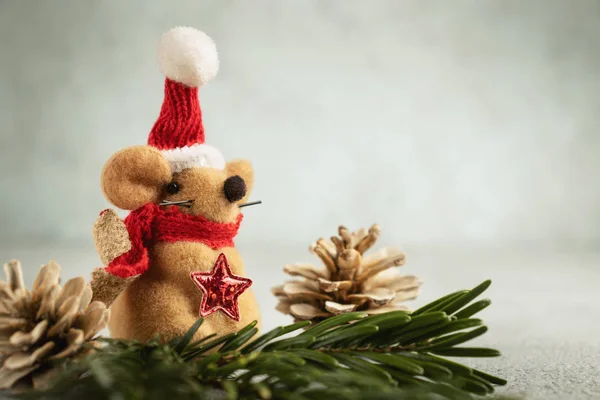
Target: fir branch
(349, 356)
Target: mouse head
(176, 165)
(141, 174)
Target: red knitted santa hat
(189, 59)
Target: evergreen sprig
(396, 355)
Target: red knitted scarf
(150, 224)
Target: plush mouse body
(173, 259)
(164, 299)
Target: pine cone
(349, 282)
(41, 328)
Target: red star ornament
(220, 289)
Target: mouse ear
(242, 168)
(135, 176)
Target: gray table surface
(545, 316)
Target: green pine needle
(396, 355)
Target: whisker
(253, 203)
(183, 203)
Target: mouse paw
(107, 287)
(110, 236)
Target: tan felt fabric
(110, 236)
(135, 176)
(164, 300)
(106, 287)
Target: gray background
(468, 130)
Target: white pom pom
(188, 56)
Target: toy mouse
(172, 260)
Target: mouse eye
(173, 188)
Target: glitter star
(220, 289)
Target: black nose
(235, 188)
